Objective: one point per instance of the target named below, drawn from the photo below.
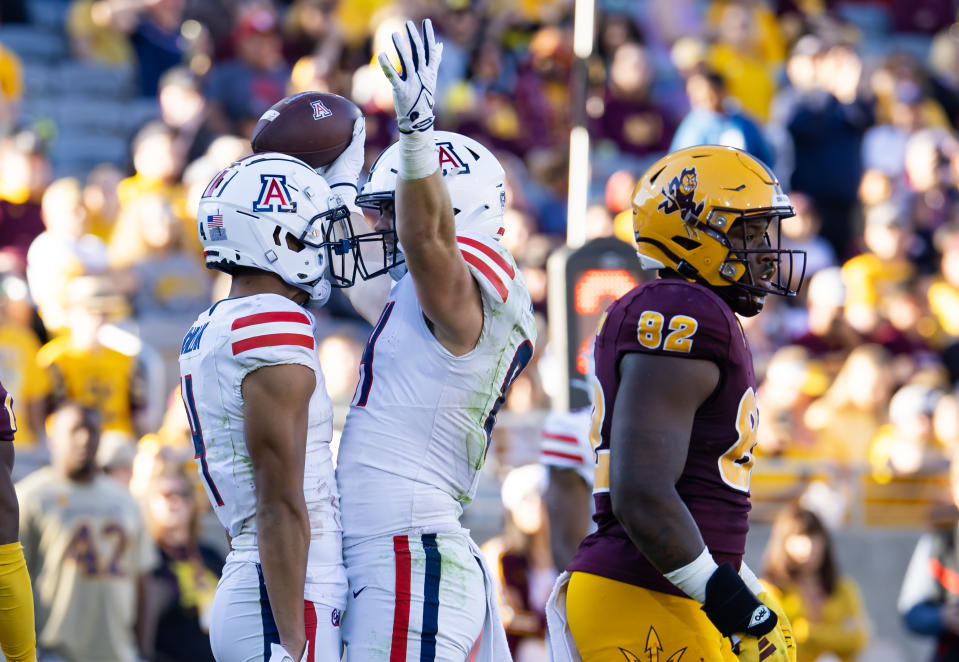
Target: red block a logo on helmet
(274, 195)
(450, 161)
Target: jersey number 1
(196, 432)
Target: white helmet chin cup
(320, 292)
(270, 212)
(473, 176)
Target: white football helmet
(474, 178)
(275, 213)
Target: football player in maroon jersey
(677, 416)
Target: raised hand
(414, 87)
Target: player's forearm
(9, 510)
(424, 214)
(659, 524)
(568, 510)
(283, 535)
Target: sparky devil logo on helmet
(680, 196)
(711, 215)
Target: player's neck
(262, 282)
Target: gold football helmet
(690, 209)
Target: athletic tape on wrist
(750, 579)
(418, 157)
(691, 578)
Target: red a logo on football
(450, 161)
(274, 195)
(320, 110)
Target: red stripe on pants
(309, 618)
(401, 608)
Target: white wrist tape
(750, 579)
(691, 578)
(418, 157)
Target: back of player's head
(473, 176)
(689, 213)
(274, 213)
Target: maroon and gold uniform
(678, 319)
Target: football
(313, 126)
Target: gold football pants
(616, 622)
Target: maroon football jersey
(679, 319)
(8, 424)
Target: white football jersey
(419, 426)
(226, 343)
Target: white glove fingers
(388, 70)
(404, 55)
(416, 45)
(359, 127)
(429, 37)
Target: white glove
(414, 89)
(279, 654)
(343, 173)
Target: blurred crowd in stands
(115, 114)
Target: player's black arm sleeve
(649, 439)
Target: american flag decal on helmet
(214, 222)
(493, 266)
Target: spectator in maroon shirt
(628, 116)
(24, 175)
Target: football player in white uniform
(260, 415)
(455, 331)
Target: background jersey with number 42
(679, 319)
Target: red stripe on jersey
(266, 318)
(560, 437)
(309, 620)
(476, 646)
(271, 339)
(945, 576)
(490, 253)
(487, 271)
(565, 456)
(401, 608)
